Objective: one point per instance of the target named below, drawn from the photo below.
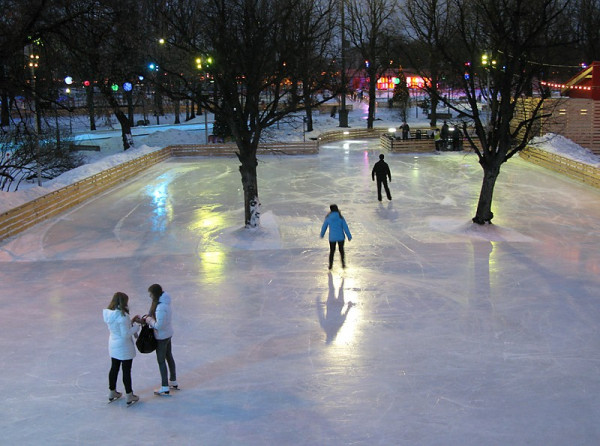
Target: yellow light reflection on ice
(212, 265)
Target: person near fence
(160, 319)
(338, 231)
(120, 345)
(405, 130)
(382, 172)
(444, 136)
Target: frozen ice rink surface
(439, 332)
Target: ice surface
(438, 332)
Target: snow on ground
(558, 144)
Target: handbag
(146, 342)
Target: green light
(114, 87)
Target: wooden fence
(585, 173)
(29, 214)
(277, 148)
(337, 135)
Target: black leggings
(114, 373)
(332, 252)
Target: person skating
(120, 345)
(381, 170)
(159, 318)
(338, 231)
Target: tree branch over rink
(251, 63)
(497, 52)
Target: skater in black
(381, 170)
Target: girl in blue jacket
(338, 231)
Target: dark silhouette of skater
(331, 315)
(381, 170)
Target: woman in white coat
(120, 345)
(159, 318)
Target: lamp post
(207, 61)
(34, 60)
(343, 112)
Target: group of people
(121, 347)
(336, 223)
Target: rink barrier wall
(275, 148)
(33, 212)
(18, 219)
(349, 133)
(586, 173)
(29, 214)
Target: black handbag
(146, 342)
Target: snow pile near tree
(264, 237)
(558, 144)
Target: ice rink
(439, 332)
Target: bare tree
(252, 50)
(429, 24)
(587, 15)
(312, 33)
(498, 51)
(103, 46)
(371, 28)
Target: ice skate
(132, 399)
(113, 395)
(163, 391)
(173, 385)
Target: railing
(337, 135)
(277, 148)
(585, 173)
(406, 145)
(29, 214)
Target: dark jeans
(383, 181)
(332, 252)
(164, 357)
(114, 373)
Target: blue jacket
(338, 228)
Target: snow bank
(558, 144)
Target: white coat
(120, 341)
(163, 328)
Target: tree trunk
(125, 129)
(309, 119)
(372, 99)
(250, 186)
(129, 98)
(5, 113)
(434, 104)
(177, 111)
(484, 206)
(121, 117)
(89, 96)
